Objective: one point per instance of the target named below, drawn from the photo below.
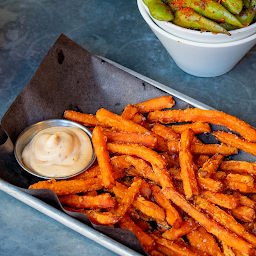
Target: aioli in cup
(58, 152)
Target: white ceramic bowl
(26, 136)
(200, 59)
(203, 37)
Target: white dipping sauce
(58, 152)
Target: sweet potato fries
(155, 178)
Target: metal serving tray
(95, 82)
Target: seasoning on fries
(102, 154)
(154, 177)
(209, 116)
(188, 167)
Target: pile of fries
(154, 176)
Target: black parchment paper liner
(69, 77)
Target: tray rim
(69, 221)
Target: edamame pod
(227, 26)
(188, 18)
(246, 16)
(159, 10)
(247, 3)
(207, 8)
(234, 6)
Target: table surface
(115, 30)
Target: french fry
(162, 144)
(150, 209)
(172, 159)
(188, 168)
(141, 120)
(181, 241)
(128, 198)
(244, 200)
(104, 200)
(164, 177)
(237, 253)
(95, 216)
(210, 184)
(166, 132)
(83, 118)
(92, 172)
(210, 166)
(236, 141)
(164, 250)
(129, 112)
(144, 225)
(143, 168)
(132, 172)
(137, 150)
(91, 193)
(118, 164)
(238, 167)
(223, 200)
(172, 215)
(196, 127)
(174, 251)
(103, 158)
(243, 183)
(246, 179)
(205, 149)
(209, 116)
(146, 207)
(146, 241)
(156, 253)
(120, 123)
(219, 175)
(175, 173)
(239, 186)
(244, 213)
(186, 227)
(155, 104)
(225, 219)
(173, 248)
(227, 250)
(66, 187)
(204, 241)
(210, 225)
(203, 183)
(202, 159)
(145, 189)
(147, 140)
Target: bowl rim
(152, 24)
(204, 33)
(67, 123)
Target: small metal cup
(27, 135)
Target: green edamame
(159, 10)
(227, 26)
(206, 15)
(246, 16)
(207, 8)
(188, 18)
(247, 3)
(234, 6)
